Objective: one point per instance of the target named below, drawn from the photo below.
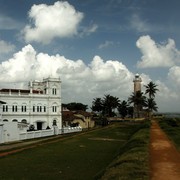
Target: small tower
(137, 83)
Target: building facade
(39, 106)
(77, 118)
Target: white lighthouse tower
(137, 88)
(137, 83)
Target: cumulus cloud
(51, 21)
(167, 98)
(174, 76)
(157, 55)
(165, 92)
(6, 47)
(18, 68)
(80, 82)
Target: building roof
(84, 113)
(67, 116)
(70, 116)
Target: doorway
(39, 125)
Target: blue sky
(96, 47)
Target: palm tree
(110, 103)
(139, 101)
(123, 109)
(97, 105)
(151, 105)
(151, 89)
(130, 111)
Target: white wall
(11, 132)
(1, 133)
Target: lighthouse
(137, 83)
(137, 88)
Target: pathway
(164, 158)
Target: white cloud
(167, 97)
(81, 82)
(174, 76)
(138, 24)
(165, 92)
(105, 44)
(86, 31)
(19, 67)
(51, 21)
(157, 55)
(6, 47)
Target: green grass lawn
(80, 157)
(172, 128)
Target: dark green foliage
(139, 101)
(106, 105)
(73, 106)
(97, 105)
(130, 111)
(151, 89)
(110, 103)
(173, 122)
(151, 105)
(172, 127)
(123, 109)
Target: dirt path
(164, 158)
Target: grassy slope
(132, 162)
(81, 157)
(172, 128)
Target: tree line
(107, 105)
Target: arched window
(24, 121)
(44, 108)
(34, 108)
(14, 107)
(24, 107)
(54, 107)
(39, 91)
(39, 108)
(54, 90)
(54, 122)
(5, 120)
(5, 108)
(14, 120)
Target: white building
(39, 106)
